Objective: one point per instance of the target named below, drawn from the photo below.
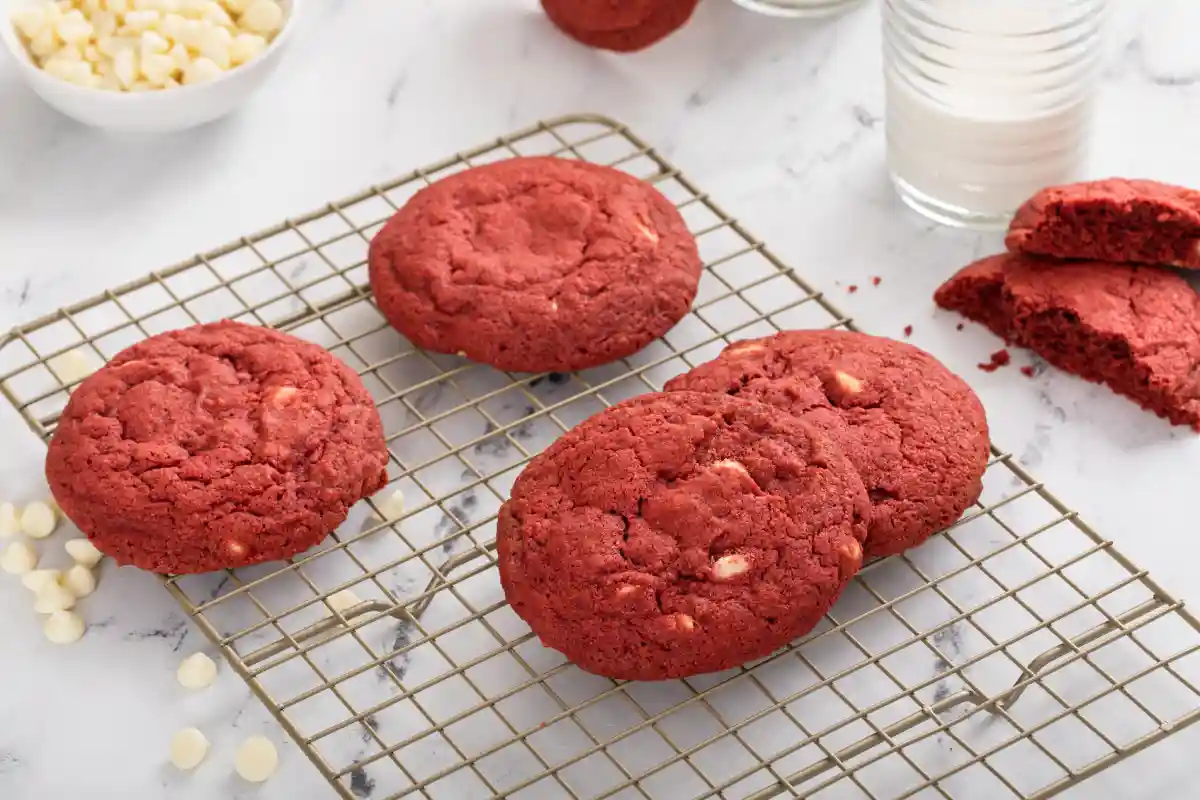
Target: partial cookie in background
(213, 447)
(1111, 220)
(535, 265)
(915, 431)
(676, 534)
(1135, 329)
(623, 26)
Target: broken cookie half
(1135, 329)
(1115, 220)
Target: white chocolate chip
(685, 623)
(850, 557)
(52, 597)
(69, 52)
(246, 46)
(73, 27)
(256, 759)
(262, 16)
(201, 70)
(392, 506)
(30, 21)
(626, 590)
(343, 601)
(848, 383)
(728, 567)
(44, 44)
(38, 578)
(83, 552)
(214, 13)
(64, 627)
(18, 558)
(105, 23)
(38, 520)
(156, 68)
(214, 45)
(188, 748)
(138, 21)
(197, 671)
(647, 232)
(234, 549)
(171, 26)
(80, 581)
(730, 464)
(71, 366)
(151, 43)
(191, 8)
(180, 55)
(282, 396)
(10, 523)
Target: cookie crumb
(852, 288)
(998, 359)
(875, 281)
(1028, 372)
(907, 330)
(959, 326)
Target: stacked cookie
(622, 26)
(215, 446)
(1082, 288)
(699, 528)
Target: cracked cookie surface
(1135, 329)
(535, 265)
(676, 534)
(213, 447)
(916, 433)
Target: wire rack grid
(1012, 656)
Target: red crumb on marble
(852, 288)
(959, 326)
(908, 330)
(999, 359)
(1028, 372)
(876, 280)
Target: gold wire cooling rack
(1015, 655)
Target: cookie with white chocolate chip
(676, 534)
(215, 446)
(535, 265)
(914, 430)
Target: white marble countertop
(781, 122)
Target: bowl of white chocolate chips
(146, 65)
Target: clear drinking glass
(799, 8)
(988, 101)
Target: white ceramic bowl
(148, 112)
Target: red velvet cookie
(623, 26)
(1134, 329)
(675, 534)
(1111, 220)
(915, 431)
(536, 265)
(213, 447)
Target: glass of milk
(988, 101)
(800, 8)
